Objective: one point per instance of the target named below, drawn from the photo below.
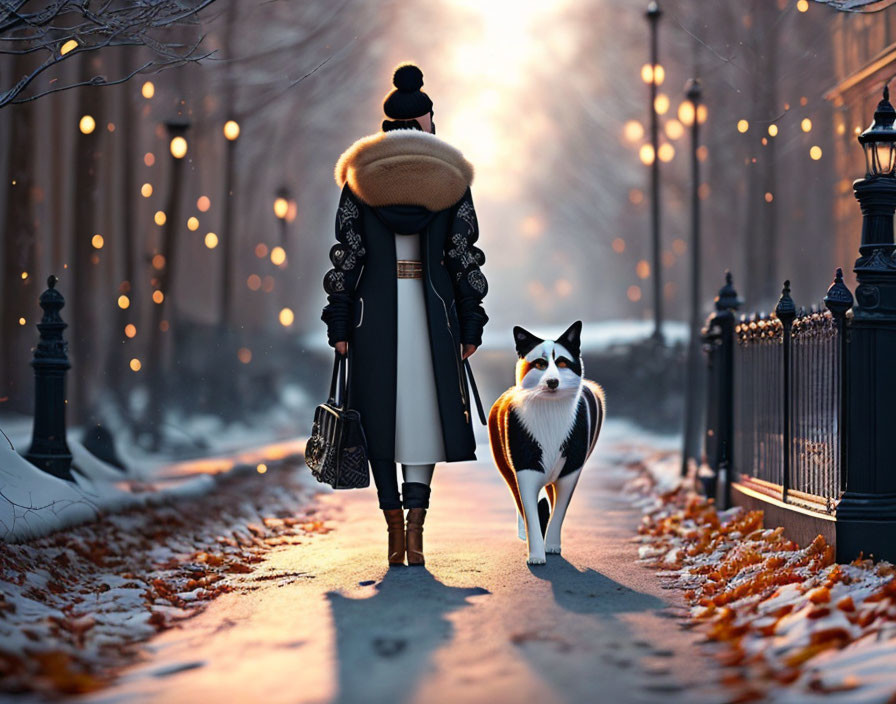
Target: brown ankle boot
(414, 542)
(395, 522)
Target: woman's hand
(341, 347)
(468, 350)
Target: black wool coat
(405, 182)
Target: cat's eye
(540, 364)
(562, 363)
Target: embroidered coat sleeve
(347, 256)
(463, 261)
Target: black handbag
(336, 452)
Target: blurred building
(864, 60)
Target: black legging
(385, 476)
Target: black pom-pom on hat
(407, 101)
(407, 78)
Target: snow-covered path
(327, 621)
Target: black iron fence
(783, 390)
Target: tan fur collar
(405, 167)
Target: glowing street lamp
(283, 204)
(231, 132)
(879, 140)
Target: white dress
(418, 426)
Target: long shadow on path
(583, 642)
(590, 592)
(384, 642)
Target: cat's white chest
(549, 422)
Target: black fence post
(785, 311)
(49, 450)
(839, 300)
(718, 340)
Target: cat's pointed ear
(525, 341)
(572, 338)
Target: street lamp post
(49, 449)
(655, 78)
(231, 134)
(692, 389)
(162, 295)
(866, 513)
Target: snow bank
(74, 604)
(787, 616)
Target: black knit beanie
(407, 101)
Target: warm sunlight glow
(211, 240)
(769, 197)
(135, 365)
(806, 124)
(160, 218)
(286, 317)
(278, 256)
(148, 90)
(178, 147)
(97, 241)
(192, 223)
(742, 126)
(773, 130)
(661, 104)
(231, 130)
(124, 302)
(158, 296)
(702, 114)
(130, 330)
(146, 190)
(686, 113)
(802, 5)
(261, 468)
(815, 153)
(70, 45)
(158, 262)
(87, 124)
(203, 203)
(149, 158)
(22, 321)
(532, 227)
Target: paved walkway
(328, 622)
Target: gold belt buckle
(409, 269)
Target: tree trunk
(82, 323)
(19, 294)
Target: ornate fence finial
(838, 298)
(727, 298)
(785, 310)
(49, 450)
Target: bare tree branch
(63, 29)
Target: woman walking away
(405, 302)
